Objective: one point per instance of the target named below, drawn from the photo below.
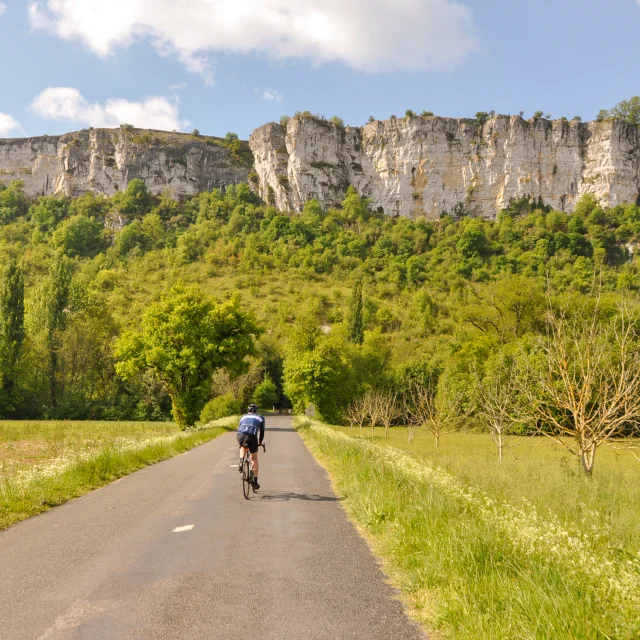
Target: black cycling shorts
(247, 440)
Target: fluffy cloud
(272, 95)
(370, 35)
(3, 8)
(66, 103)
(8, 124)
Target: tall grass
(471, 566)
(539, 472)
(78, 471)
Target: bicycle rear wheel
(246, 479)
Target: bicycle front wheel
(246, 480)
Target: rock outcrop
(410, 166)
(430, 165)
(106, 160)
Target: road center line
(187, 527)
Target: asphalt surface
(286, 564)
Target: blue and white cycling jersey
(251, 424)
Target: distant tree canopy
(443, 296)
(626, 110)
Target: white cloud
(3, 8)
(370, 35)
(272, 95)
(67, 103)
(8, 124)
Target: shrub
(220, 407)
(481, 117)
(266, 393)
(627, 111)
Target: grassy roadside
(536, 471)
(473, 567)
(69, 477)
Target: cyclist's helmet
(253, 408)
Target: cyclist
(251, 424)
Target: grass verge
(70, 477)
(470, 566)
(538, 472)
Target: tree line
(343, 303)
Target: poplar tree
(56, 301)
(355, 320)
(11, 325)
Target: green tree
(318, 377)
(56, 299)
(627, 111)
(183, 339)
(135, 200)
(79, 235)
(266, 393)
(11, 327)
(48, 211)
(355, 208)
(473, 241)
(13, 202)
(355, 321)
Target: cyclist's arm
(262, 425)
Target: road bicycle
(247, 472)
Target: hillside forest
(334, 308)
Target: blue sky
(221, 65)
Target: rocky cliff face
(106, 160)
(430, 165)
(410, 166)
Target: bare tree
(497, 403)
(585, 390)
(439, 413)
(389, 409)
(409, 417)
(375, 410)
(358, 412)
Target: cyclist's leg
(244, 446)
(243, 452)
(253, 450)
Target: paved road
(286, 564)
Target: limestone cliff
(106, 160)
(410, 166)
(430, 165)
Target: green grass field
(537, 471)
(526, 549)
(44, 464)
(25, 444)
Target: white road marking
(234, 466)
(185, 528)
